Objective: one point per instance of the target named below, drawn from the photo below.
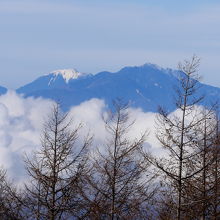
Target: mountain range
(2, 90)
(145, 87)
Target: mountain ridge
(3, 90)
(145, 87)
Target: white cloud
(21, 121)
(20, 125)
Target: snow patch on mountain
(67, 75)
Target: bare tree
(199, 188)
(2, 193)
(5, 212)
(178, 134)
(55, 169)
(215, 201)
(119, 186)
(11, 200)
(214, 175)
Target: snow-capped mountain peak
(67, 74)
(144, 87)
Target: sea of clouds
(22, 119)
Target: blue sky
(39, 36)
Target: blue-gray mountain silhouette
(3, 90)
(144, 86)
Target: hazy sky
(39, 36)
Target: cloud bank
(20, 125)
(21, 122)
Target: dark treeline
(122, 179)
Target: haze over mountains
(145, 87)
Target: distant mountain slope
(145, 86)
(3, 90)
(59, 79)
